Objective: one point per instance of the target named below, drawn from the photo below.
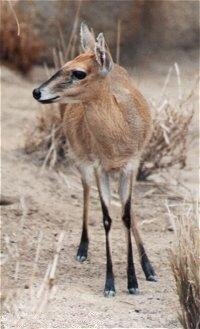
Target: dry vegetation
(169, 141)
(20, 45)
(185, 267)
(46, 137)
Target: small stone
(73, 196)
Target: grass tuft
(186, 270)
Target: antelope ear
(103, 56)
(87, 38)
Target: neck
(100, 90)
(102, 106)
(103, 115)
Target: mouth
(49, 101)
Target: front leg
(83, 246)
(86, 174)
(102, 179)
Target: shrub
(19, 51)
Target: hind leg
(125, 192)
(144, 260)
(127, 179)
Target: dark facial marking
(55, 76)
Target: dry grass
(169, 142)
(20, 45)
(46, 138)
(40, 294)
(185, 268)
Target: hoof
(109, 293)
(133, 291)
(152, 278)
(81, 258)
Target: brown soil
(55, 205)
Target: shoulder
(126, 93)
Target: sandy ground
(52, 205)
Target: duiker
(107, 123)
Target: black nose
(36, 93)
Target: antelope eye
(79, 74)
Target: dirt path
(53, 206)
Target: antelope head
(79, 79)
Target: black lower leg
(83, 246)
(109, 289)
(146, 265)
(131, 275)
